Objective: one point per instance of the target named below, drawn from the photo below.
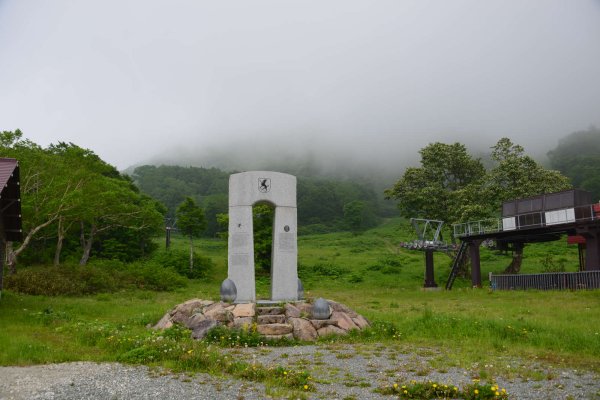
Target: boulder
(241, 322)
(342, 320)
(303, 329)
(361, 322)
(305, 308)
(331, 330)
(321, 323)
(342, 308)
(244, 310)
(275, 329)
(213, 306)
(223, 316)
(202, 328)
(194, 320)
(181, 313)
(164, 323)
(219, 312)
(291, 311)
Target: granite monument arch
(245, 190)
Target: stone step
(271, 319)
(269, 310)
(274, 329)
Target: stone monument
(279, 190)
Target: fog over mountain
(348, 84)
(381, 162)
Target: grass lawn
(369, 273)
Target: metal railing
(490, 225)
(528, 220)
(547, 281)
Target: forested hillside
(323, 204)
(578, 157)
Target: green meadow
(369, 272)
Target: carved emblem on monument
(264, 185)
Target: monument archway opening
(263, 214)
(245, 190)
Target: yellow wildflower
(395, 386)
(476, 391)
(305, 387)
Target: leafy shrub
(386, 265)
(324, 269)
(106, 264)
(99, 277)
(314, 229)
(550, 265)
(179, 260)
(150, 276)
(48, 316)
(356, 278)
(67, 280)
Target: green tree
(358, 216)
(108, 204)
(436, 189)
(47, 189)
(81, 164)
(214, 205)
(517, 175)
(262, 223)
(191, 222)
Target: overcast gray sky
(133, 79)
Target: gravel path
(342, 371)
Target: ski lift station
(541, 218)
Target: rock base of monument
(273, 321)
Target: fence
(547, 281)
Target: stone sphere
(320, 309)
(300, 290)
(228, 291)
